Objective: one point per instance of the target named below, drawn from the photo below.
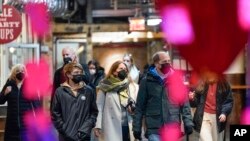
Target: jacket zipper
(18, 112)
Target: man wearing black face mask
(153, 99)
(69, 56)
(74, 103)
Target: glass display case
(12, 54)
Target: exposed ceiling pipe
(58, 8)
(120, 8)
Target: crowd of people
(122, 105)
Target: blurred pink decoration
(177, 25)
(171, 132)
(39, 17)
(39, 126)
(37, 80)
(244, 14)
(39, 118)
(176, 89)
(245, 116)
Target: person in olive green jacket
(153, 102)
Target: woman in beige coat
(116, 97)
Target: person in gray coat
(116, 102)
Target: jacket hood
(152, 76)
(65, 84)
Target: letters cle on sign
(241, 132)
(6, 12)
(10, 24)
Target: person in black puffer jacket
(12, 92)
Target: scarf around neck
(113, 84)
(116, 85)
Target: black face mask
(67, 60)
(122, 74)
(165, 68)
(77, 78)
(20, 76)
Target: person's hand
(97, 132)
(137, 135)
(130, 111)
(191, 95)
(7, 90)
(188, 130)
(222, 118)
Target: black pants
(125, 133)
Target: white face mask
(92, 71)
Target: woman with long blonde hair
(12, 93)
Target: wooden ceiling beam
(84, 28)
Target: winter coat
(224, 104)
(153, 103)
(109, 119)
(59, 78)
(95, 79)
(71, 114)
(15, 129)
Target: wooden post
(248, 72)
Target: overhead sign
(136, 24)
(10, 24)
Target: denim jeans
(154, 137)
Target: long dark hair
(221, 83)
(95, 63)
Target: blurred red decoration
(39, 126)
(218, 35)
(245, 116)
(177, 91)
(171, 132)
(244, 13)
(39, 17)
(176, 24)
(37, 80)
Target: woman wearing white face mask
(96, 72)
(133, 71)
